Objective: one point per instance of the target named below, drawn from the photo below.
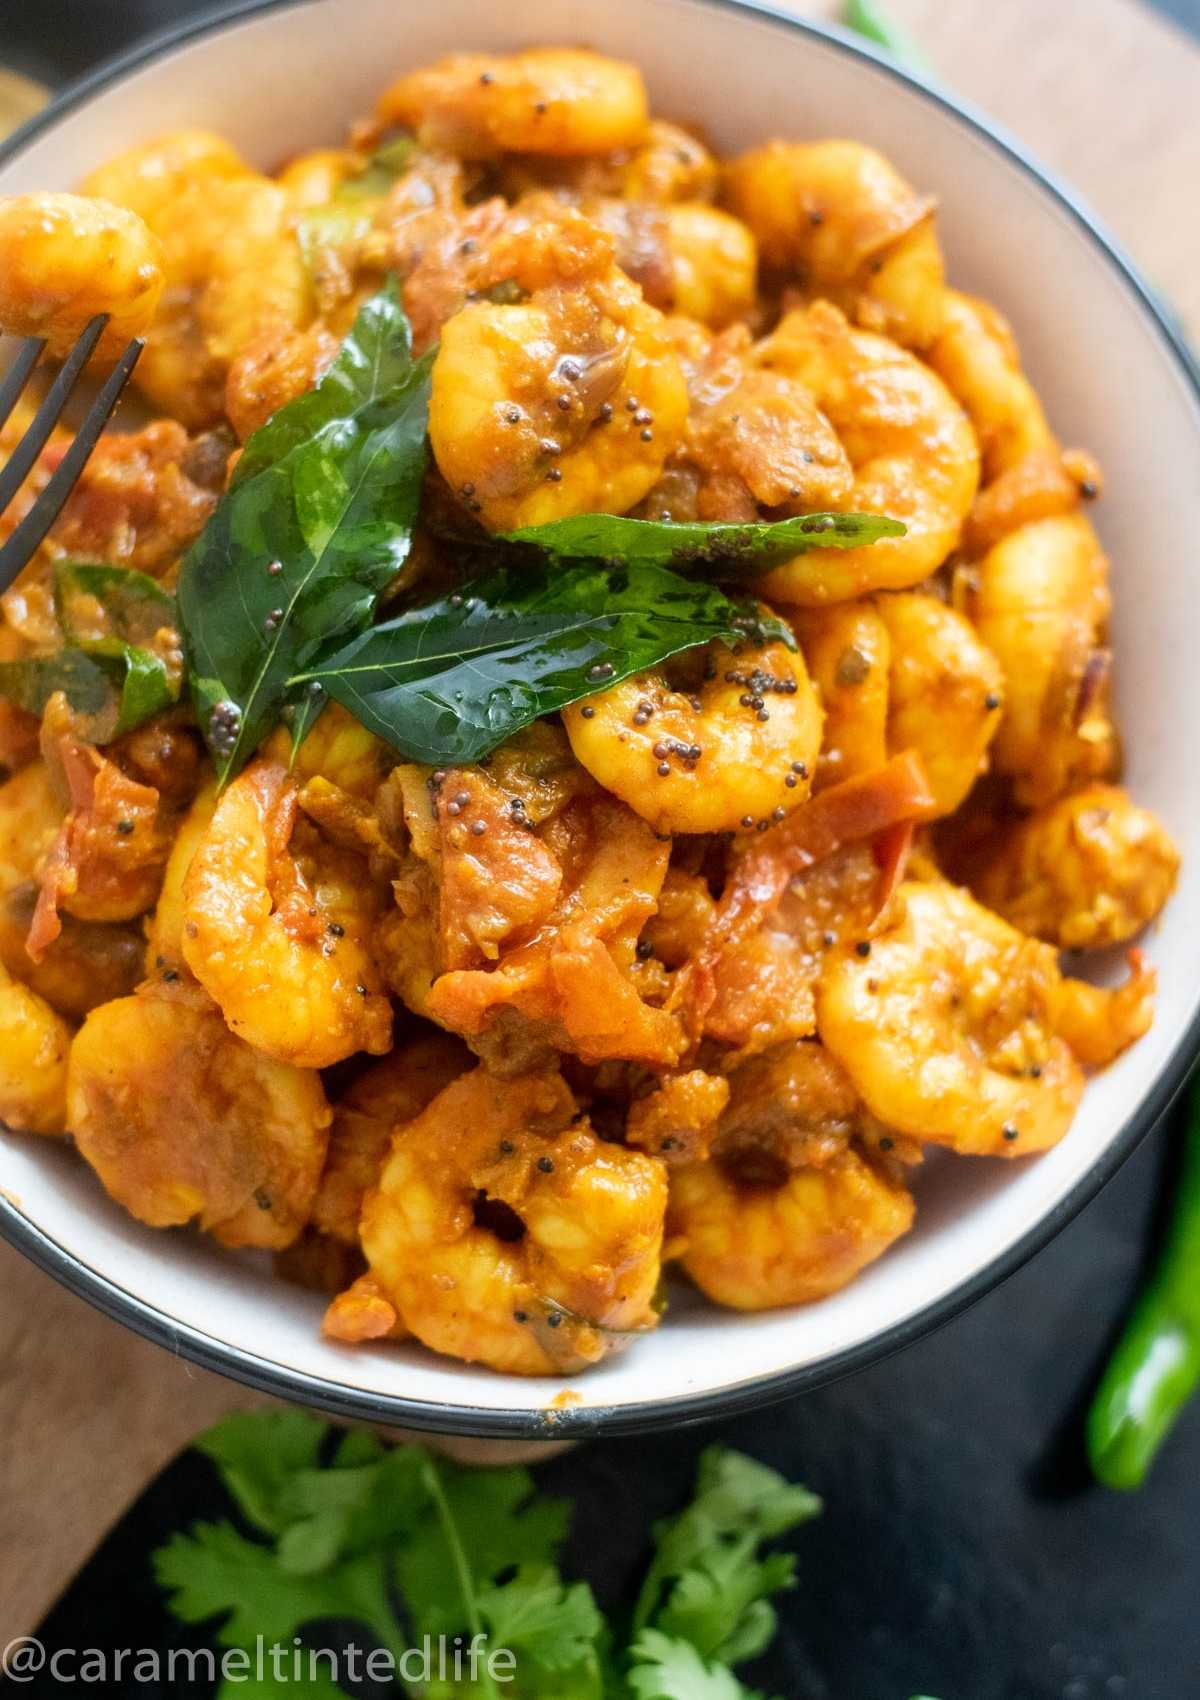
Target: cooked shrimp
(1087, 871)
(504, 1232)
(106, 864)
(568, 402)
(668, 164)
(677, 1120)
(838, 214)
(1099, 1022)
(758, 1247)
(572, 986)
(911, 446)
(279, 933)
(737, 751)
(763, 984)
(88, 963)
(1040, 603)
(949, 1027)
(787, 1210)
(164, 935)
(64, 258)
(34, 1042)
(339, 748)
(945, 693)
(312, 179)
(976, 355)
(714, 263)
(232, 263)
(849, 653)
(389, 1093)
(181, 1119)
(542, 101)
(754, 439)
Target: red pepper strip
(886, 798)
(892, 848)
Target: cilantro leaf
(721, 1604)
(667, 1669)
(372, 1535)
(317, 520)
(257, 1453)
(543, 1618)
(739, 1503)
(446, 682)
(495, 1521)
(349, 1509)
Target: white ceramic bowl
(280, 77)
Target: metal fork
(48, 505)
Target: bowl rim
(338, 1398)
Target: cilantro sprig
(404, 1545)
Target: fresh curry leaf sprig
(714, 550)
(278, 594)
(406, 1546)
(115, 666)
(317, 520)
(449, 681)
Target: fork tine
(17, 375)
(46, 417)
(48, 505)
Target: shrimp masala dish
(563, 731)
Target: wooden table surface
(1109, 97)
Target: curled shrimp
(164, 936)
(566, 402)
(668, 164)
(735, 750)
(107, 862)
(231, 261)
(1026, 475)
(909, 442)
(1040, 602)
(949, 1027)
(544, 100)
(946, 693)
(564, 978)
(754, 438)
(788, 1209)
(278, 933)
(34, 1042)
(714, 263)
(849, 655)
(181, 1119)
(976, 355)
(1086, 871)
(65, 258)
(841, 216)
(503, 1231)
(389, 1093)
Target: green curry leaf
(447, 682)
(717, 551)
(107, 670)
(317, 520)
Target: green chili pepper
(1155, 1368)
(871, 20)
